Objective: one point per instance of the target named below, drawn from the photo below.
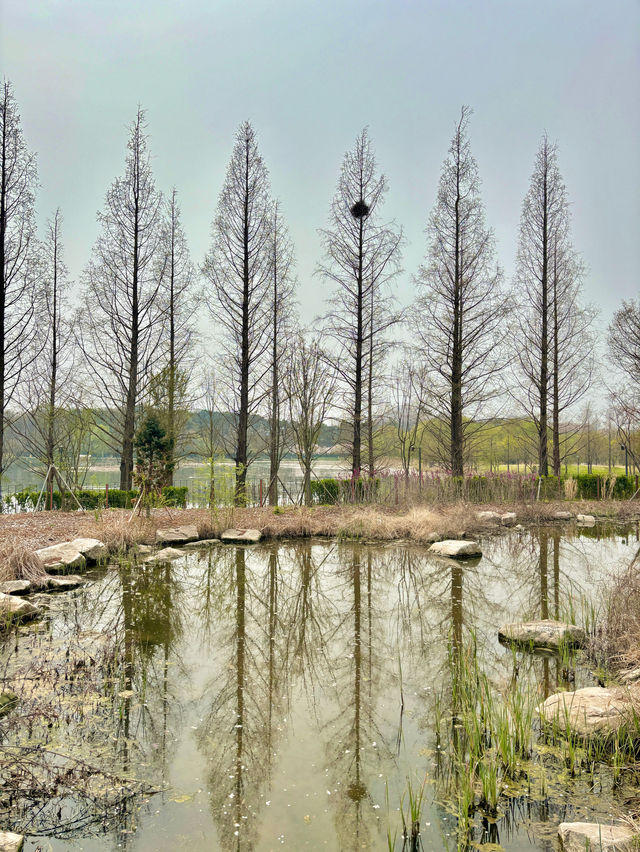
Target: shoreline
(418, 523)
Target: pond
(295, 695)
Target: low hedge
(90, 499)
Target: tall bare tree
(49, 397)
(310, 384)
(239, 269)
(461, 309)
(282, 309)
(120, 324)
(623, 342)
(547, 285)
(179, 299)
(362, 257)
(19, 265)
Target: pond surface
(289, 696)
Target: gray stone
(10, 842)
(59, 558)
(545, 633)
(587, 520)
(177, 535)
(508, 518)
(15, 587)
(203, 542)
(456, 549)
(562, 516)
(238, 536)
(591, 711)
(165, 555)
(14, 609)
(92, 549)
(489, 516)
(581, 836)
(66, 583)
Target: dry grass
(418, 523)
(620, 640)
(18, 562)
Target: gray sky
(309, 76)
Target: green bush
(325, 491)
(173, 495)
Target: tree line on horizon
(468, 350)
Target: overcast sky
(309, 76)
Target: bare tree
(19, 265)
(310, 385)
(120, 324)
(409, 397)
(460, 311)
(170, 388)
(282, 307)
(623, 341)
(362, 259)
(49, 397)
(239, 269)
(553, 356)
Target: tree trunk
(357, 406)
(457, 458)
(274, 436)
(556, 366)
(243, 414)
(543, 450)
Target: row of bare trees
(471, 348)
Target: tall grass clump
(17, 562)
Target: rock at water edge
(578, 836)
(241, 536)
(488, 516)
(456, 549)
(508, 518)
(177, 535)
(58, 558)
(15, 587)
(591, 711)
(65, 583)
(562, 516)
(92, 549)
(165, 555)
(15, 609)
(545, 633)
(10, 842)
(203, 542)
(586, 519)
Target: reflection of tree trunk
(273, 612)
(240, 680)
(456, 612)
(543, 539)
(556, 573)
(129, 650)
(357, 789)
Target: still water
(284, 696)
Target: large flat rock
(165, 555)
(15, 587)
(456, 549)
(14, 609)
(237, 536)
(177, 535)
(586, 520)
(489, 516)
(578, 836)
(10, 842)
(545, 633)
(65, 583)
(92, 549)
(592, 711)
(562, 516)
(61, 558)
(203, 542)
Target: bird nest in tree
(360, 209)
